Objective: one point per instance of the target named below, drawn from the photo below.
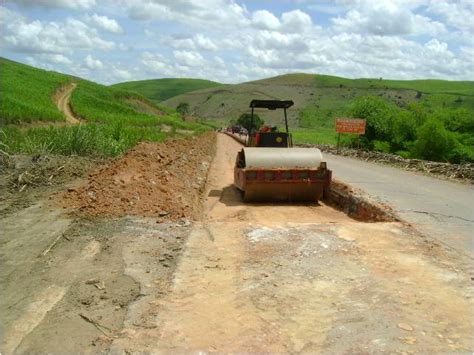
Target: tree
(434, 142)
(245, 120)
(183, 108)
(378, 114)
(404, 128)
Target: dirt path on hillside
(293, 278)
(61, 98)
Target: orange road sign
(350, 125)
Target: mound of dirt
(162, 180)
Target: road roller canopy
(271, 104)
(274, 158)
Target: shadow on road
(231, 196)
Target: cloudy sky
(232, 41)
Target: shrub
(381, 146)
(245, 120)
(183, 108)
(433, 141)
(378, 114)
(404, 126)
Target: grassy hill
(411, 118)
(320, 98)
(26, 93)
(114, 120)
(159, 90)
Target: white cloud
(221, 40)
(105, 23)
(7, 15)
(458, 14)
(254, 71)
(220, 63)
(329, 8)
(352, 55)
(188, 58)
(55, 58)
(203, 13)
(92, 64)
(72, 4)
(296, 21)
(20, 35)
(196, 42)
(155, 63)
(265, 19)
(203, 42)
(159, 66)
(387, 19)
(121, 74)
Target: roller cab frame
(264, 172)
(270, 139)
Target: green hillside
(26, 93)
(430, 119)
(320, 98)
(113, 120)
(159, 90)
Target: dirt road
(284, 278)
(62, 101)
(240, 278)
(440, 209)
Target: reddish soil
(148, 181)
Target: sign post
(349, 125)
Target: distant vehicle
(237, 129)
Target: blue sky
(234, 41)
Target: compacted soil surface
(141, 273)
(69, 274)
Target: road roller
(269, 168)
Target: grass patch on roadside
(26, 93)
(85, 140)
(323, 135)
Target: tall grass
(90, 139)
(26, 93)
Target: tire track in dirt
(62, 98)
